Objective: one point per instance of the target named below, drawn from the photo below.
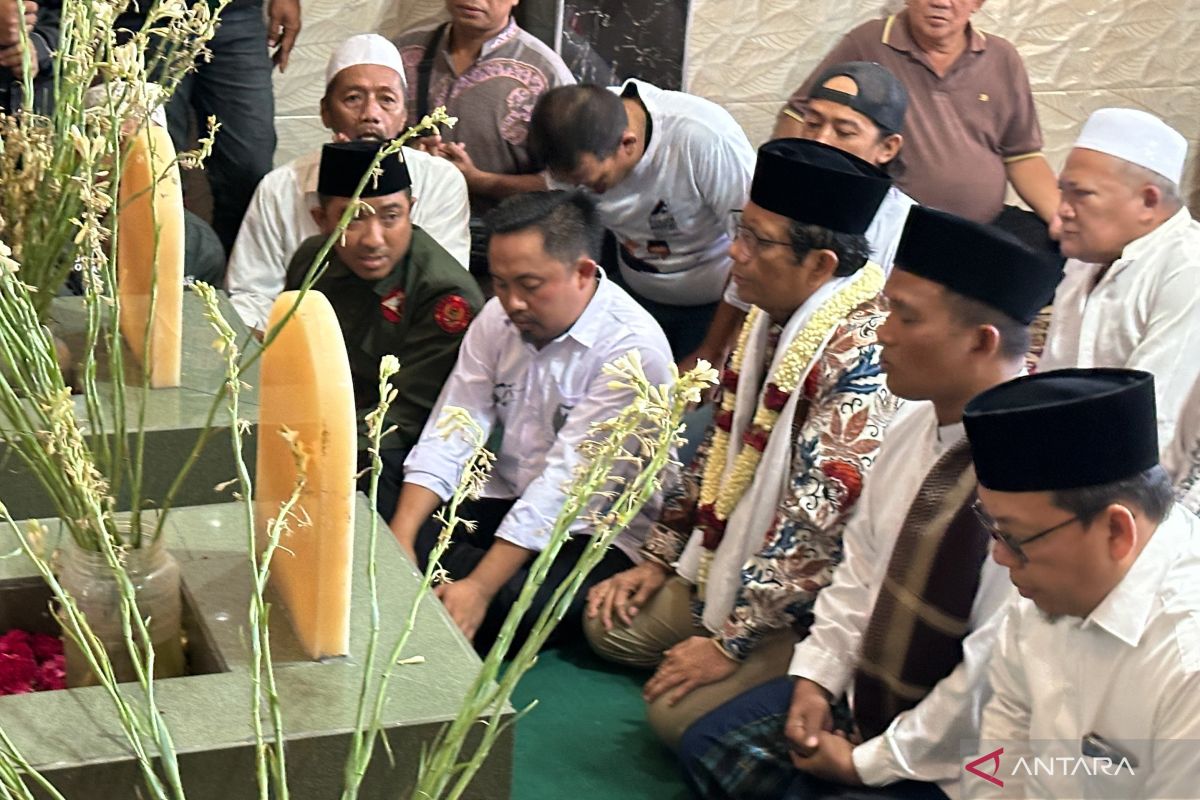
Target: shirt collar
(590, 325)
(588, 329)
(510, 30)
(896, 35)
(1125, 611)
(648, 95)
(1149, 241)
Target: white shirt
(884, 232)
(1129, 673)
(1143, 314)
(545, 402)
(923, 743)
(673, 210)
(1182, 458)
(280, 218)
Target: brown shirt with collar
(962, 128)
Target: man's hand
(431, 144)
(12, 19)
(832, 760)
(12, 58)
(808, 717)
(457, 155)
(692, 663)
(467, 603)
(625, 593)
(283, 26)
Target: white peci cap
(1136, 137)
(365, 48)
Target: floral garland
(719, 494)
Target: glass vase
(154, 573)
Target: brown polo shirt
(493, 98)
(962, 128)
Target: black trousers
(468, 548)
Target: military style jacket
(418, 313)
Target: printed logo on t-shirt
(502, 394)
(560, 416)
(662, 221)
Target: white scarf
(751, 519)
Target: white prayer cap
(365, 48)
(1136, 137)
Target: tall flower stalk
(637, 443)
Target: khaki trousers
(666, 621)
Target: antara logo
(1059, 765)
(993, 758)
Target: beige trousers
(666, 621)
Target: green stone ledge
(174, 417)
(72, 736)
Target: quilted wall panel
(749, 55)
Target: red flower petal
(775, 398)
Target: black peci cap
(977, 261)
(818, 184)
(1063, 429)
(343, 165)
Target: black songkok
(817, 184)
(1063, 429)
(977, 261)
(343, 165)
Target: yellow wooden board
(150, 252)
(306, 388)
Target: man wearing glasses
(753, 532)
(905, 629)
(1100, 660)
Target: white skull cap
(1136, 137)
(365, 48)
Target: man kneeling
(530, 369)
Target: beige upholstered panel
(325, 24)
(749, 55)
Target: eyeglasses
(751, 240)
(1007, 539)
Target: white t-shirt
(279, 219)
(672, 212)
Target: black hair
(1014, 334)
(568, 222)
(1149, 491)
(570, 121)
(852, 249)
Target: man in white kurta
(364, 99)
(1129, 297)
(1096, 676)
(953, 331)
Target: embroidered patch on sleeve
(452, 313)
(392, 306)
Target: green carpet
(587, 738)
